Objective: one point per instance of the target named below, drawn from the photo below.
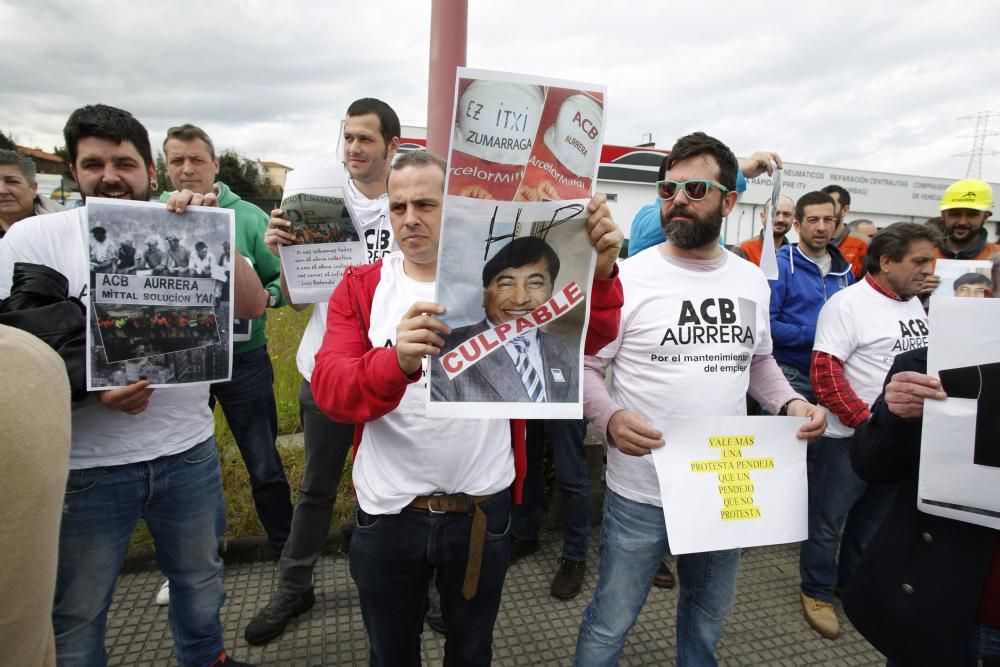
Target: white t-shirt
(406, 454)
(866, 330)
(683, 350)
(177, 418)
(373, 218)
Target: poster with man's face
(515, 262)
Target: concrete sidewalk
(765, 628)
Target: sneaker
(270, 621)
(566, 584)
(664, 577)
(225, 660)
(520, 548)
(821, 616)
(163, 595)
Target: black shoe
(664, 577)
(521, 548)
(566, 584)
(270, 621)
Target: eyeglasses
(695, 190)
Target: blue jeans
(987, 642)
(248, 403)
(566, 440)
(180, 498)
(837, 495)
(326, 446)
(393, 558)
(633, 543)
(799, 380)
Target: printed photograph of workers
(164, 312)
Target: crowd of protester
(444, 508)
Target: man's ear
(729, 202)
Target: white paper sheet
(729, 482)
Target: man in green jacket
(248, 398)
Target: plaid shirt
(830, 384)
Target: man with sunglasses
(647, 231)
(687, 283)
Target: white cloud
(865, 85)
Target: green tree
(6, 143)
(240, 174)
(163, 183)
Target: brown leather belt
(462, 503)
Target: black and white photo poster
(160, 304)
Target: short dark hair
(23, 163)
(842, 194)
(894, 242)
(419, 159)
(661, 173)
(388, 121)
(519, 252)
(699, 143)
(811, 199)
(199, 245)
(104, 122)
(971, 278)
(189, 132)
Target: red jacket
(354, 381)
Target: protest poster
(163, 313)
(963, 277)
(326, 239)
(515, 262)
(731, 482)
(959, 474)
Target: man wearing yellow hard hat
(965, 206)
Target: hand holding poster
(963, 277)
(729, 482)
(959, 474)
(327, 240)
(163, 314)
(515, 261)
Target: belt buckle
(430, 506)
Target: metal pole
(449, 28)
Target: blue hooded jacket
(797, 296)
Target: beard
(699, 232)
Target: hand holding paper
(605, 236)
(132, 399)
(632, 434)
(417, 335)
(813, 429)
(906, 391)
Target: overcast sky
(862, 85)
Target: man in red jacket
(433, 495)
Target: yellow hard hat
(968, 193)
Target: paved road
(766, 627)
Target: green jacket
(251, 222)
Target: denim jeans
(247, 401)
(180, 498)
(633, 543)
(326, 446)
(837, 495)
(566, 440)
(987, 643)
(394, 556)
(799, 380)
